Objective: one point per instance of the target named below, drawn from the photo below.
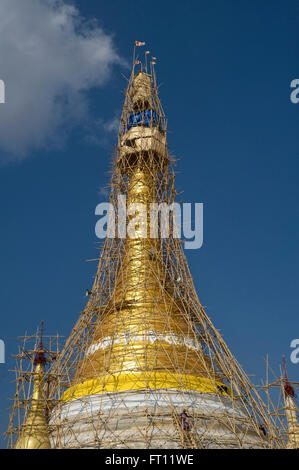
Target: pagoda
(144, 366)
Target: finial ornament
(40, 355)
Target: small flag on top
(139, 43)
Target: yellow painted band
(139, 381)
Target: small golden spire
(291, 412)
(35, 434)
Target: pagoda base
(149, 419)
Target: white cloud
(102, 132)
(49, 57)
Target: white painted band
(150, 336)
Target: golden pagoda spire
(151, 342)
(34, 433)
(144, 350)
(291, 412)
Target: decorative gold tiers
(142, 381)
(144, 339)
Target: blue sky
(225, 70)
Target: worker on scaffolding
(263, 428)
(184, 422)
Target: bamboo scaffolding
(159, 344)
